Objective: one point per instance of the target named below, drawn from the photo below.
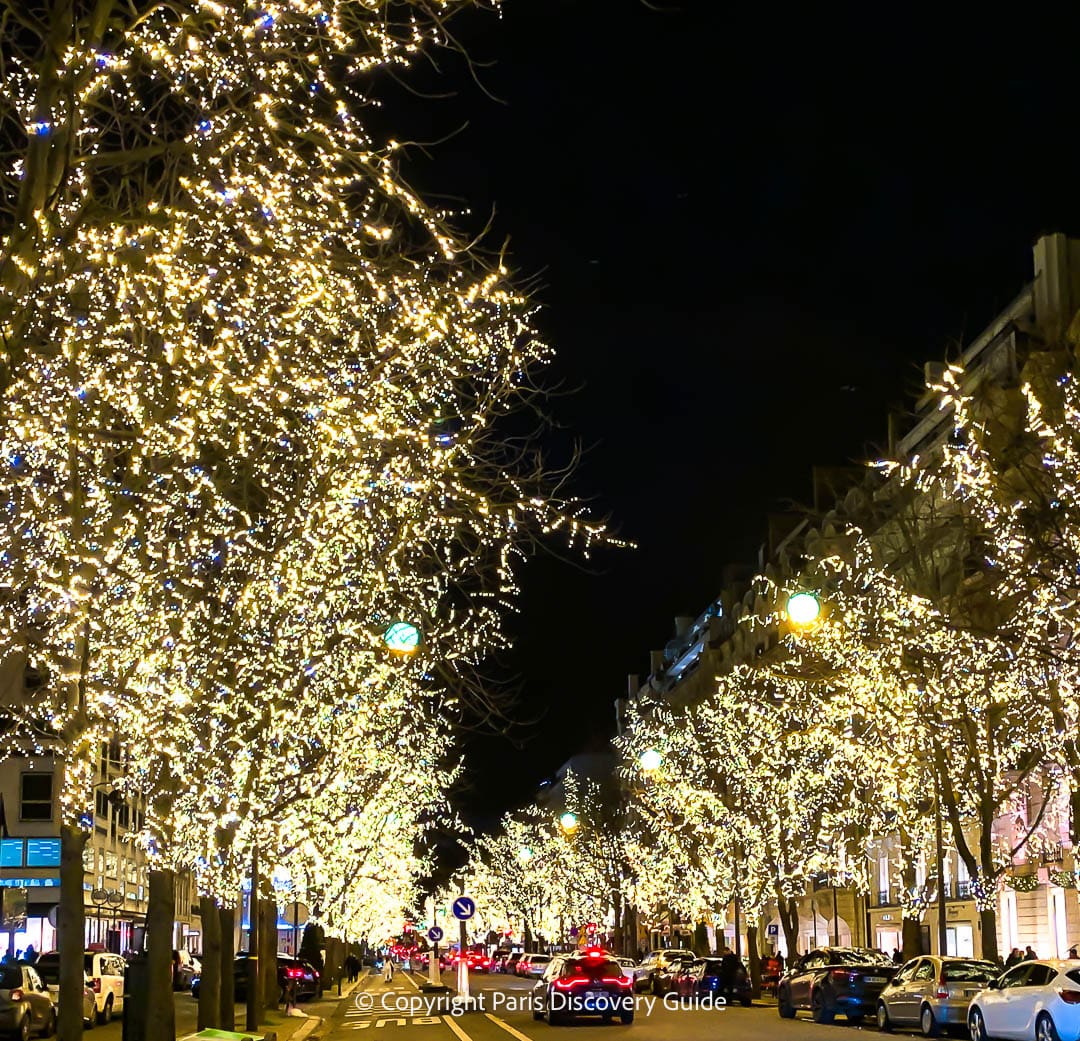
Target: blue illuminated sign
(42, 852)
(11, 853)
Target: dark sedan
(25, 1005)
(724, 977)
(289, 971)
(835, 980)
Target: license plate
(875, 979)
(594, 995)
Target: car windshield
(594, 968)
(852, 956)
(969, 971)
(11, 977)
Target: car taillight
(566, 984)
(16, 995)
(95, 984)
(942, 990)
(294, 973)
(621, 981)
(842, 976)
(1070, 997)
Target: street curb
(305, 1030)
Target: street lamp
(803, 608)
(568, 822)
(525, 854)
(650, 760)
(402, 638)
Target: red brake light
(96, 984)
(1070, 997)
(942, 989)
(17, 994)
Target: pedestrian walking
(388, 970)
(1029, 954)
(897, 956)
(1073, 955)
(352, 967)
(1014, 957)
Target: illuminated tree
(243, 367)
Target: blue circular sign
(434, 934)
(464, 908)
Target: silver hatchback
(933, 993)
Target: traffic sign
(464, 908)
(434, 934)
(772, 930)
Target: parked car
(50, 976)
(1035, 999)
(478, 962)
(510, 965)
(933, 993)
(632, 969)
(589, 984)
(844, 980)
(185, 968)
(535, 966)
(720, 977)
(660, 967)
(26, 1006)
(499, 960)
(290, 970)
(105, 972)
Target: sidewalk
(298, 1028)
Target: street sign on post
(772, 930)
(464, 908)
(434, 934)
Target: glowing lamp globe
(402, 638)
(568, 821)
(525, 854)
(650, 760)
(803, 608)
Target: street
(399, 1009)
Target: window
(11, 853)
(925, 971)
(36, 797)
(1039, 976)
(1014, 977)
(110, 864)
(42, 852)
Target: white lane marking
(507, 1027)
(449, 1021)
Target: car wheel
(22, 1031)
(977, 1025)
(884, 1024)
(105, 1015)
(626, 1018)
(656, 988)
(820, 1012)
(784, 1005)
(1045, 1029)
(927, 1023)
(50, 1025)
(746, 1002)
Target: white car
(1032, 1001)
(104, 976)
(632, 969)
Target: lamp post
(803, 608)
(650, 760)
(568, 822)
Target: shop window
(35, 801)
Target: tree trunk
(754, 956)
(268, 944)
(71, 933)
(788, 911)
(160, 916)
(526, 939)
(210, 981)
(227, 988)
(988, 925)
(911, 939)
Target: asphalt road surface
(400, 1011)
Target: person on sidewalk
(352, 967)
(388, 970)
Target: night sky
(750, 229)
